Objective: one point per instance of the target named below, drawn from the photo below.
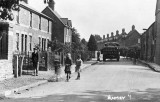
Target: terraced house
(28, 29)
(62, 27)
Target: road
(109, 81)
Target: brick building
(125, 40)
(148, 41)
(62, 27)
(28, 29)
(157, 23)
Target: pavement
(155, 67)
(14, 85)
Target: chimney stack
(103, 36)
(107, 35)
(123, 30)
(51, 4)
(133, 27)
(112, 34)
(117, 32)
(26, 1)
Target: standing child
(68, 63)
(78, 66)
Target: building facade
(125, 40)
(62, 28)
(28, 29)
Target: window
(47, 43)
(44, 44)
(48, 26)
(39, 22)
(25, 43)
(17, 18)
(17, 41)
(30, 19)
(30, 43)
(22, 42)
(39, 41)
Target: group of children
(68, 64)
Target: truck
(110, 51)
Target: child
(68, 63)
(78, 66)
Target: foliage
(97, 37)
(92, 43)
(6, 7)
(75, 41)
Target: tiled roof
(56, 14)
(64, 20)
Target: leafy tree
(92, 43)
(56, 45)
(98, 37)
(6, 7)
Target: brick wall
(24, 17)
(23, 28)
(57, 26)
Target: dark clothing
(68, 63)
(35, 59)
(35, 62)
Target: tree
(6, 7)
(92, 43)
(98, 37)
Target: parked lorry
(110, 51)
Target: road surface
(109, 81)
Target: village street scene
(45, 57)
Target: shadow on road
(149, 95)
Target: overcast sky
(104, 16)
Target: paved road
(109, 81)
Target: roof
(70, 23)
(56, 14)
(112, 43)
(64, 20)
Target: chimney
(26, 1)
(123, 30)
(133, 28)
(112, 34)
(117, 32)
(51, 4)
(107, 35)
(103, 36)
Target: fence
(23, 62)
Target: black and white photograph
(79, 50)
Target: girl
(78, 66)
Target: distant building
(125, 40)
(28, 29)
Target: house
(28, 29)
(125, 40)
(148, 44)
(157, 23)
(62, 28)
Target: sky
(104, 16)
